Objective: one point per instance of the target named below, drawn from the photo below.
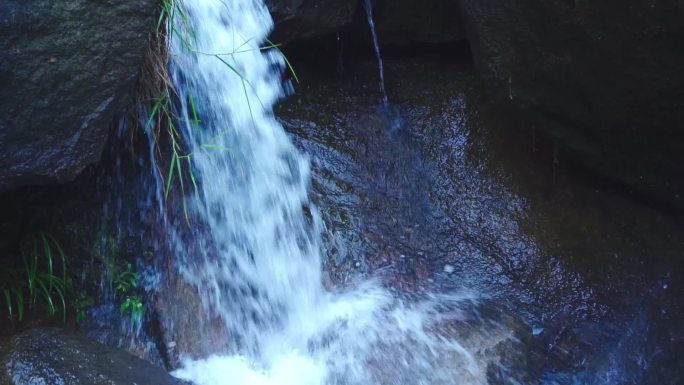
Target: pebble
(449, 269)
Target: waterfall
(253, 248)
(368, 5)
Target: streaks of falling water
(368, 5)
(254, 252)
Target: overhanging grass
(159, 98)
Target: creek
(433, 240)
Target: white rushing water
(368, 6)
(256, 255)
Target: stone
(54, 356)
(66, 68)
(411, 23)
(399, 23)
(300, 19)
(603, 79)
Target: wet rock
(66, 68)
(52, 356)
(403, 23)
(297, 19)
(499, 340)
(602, 78)
(399, 23)
(185, 326)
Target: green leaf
(213, 146)
(124, 306)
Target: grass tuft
(158, 98)
(41, 281)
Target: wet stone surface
(52, 356)
(442, 191)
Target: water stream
(368, 6)
(254, 251)
(398, 245)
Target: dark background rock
(53, 356)
(603, 78)
(298, 19)
(399, 22)
(66, 68)
(410, 23)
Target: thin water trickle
(255, 255)
(368, 6)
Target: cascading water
(368, 5)
(254, 248)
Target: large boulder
(52, 356)
(399, 22)
(414, 23)
(66, 67)
(298, 19)
(603, 78)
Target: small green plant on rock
(131, 304)
(82, 302)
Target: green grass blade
(8, 299)
(169, 177)
(193, 108)
(161, 18)
(185, 22)
(180, 178)
(48, 254)
(192, 177)
(19, 299)
(59, 289)
(287, 62)
(237, 50)
(249, 104)
(158, 104)
(244, 80)
(29, 269)
(45, 293)
(232, 67)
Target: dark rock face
(399, 22)
(66, 67)
(51, 356)
(604, 78)
(297, 19)
(402, 23)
